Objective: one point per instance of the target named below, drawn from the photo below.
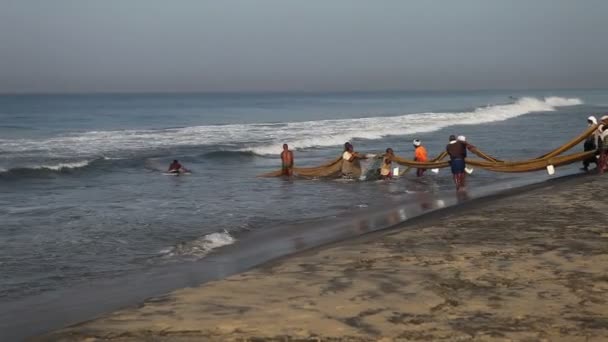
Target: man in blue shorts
(458, 152)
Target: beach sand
(531, 266)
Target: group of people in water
(456, 149)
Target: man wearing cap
(458, 152)
(590, 144)
(420, 155)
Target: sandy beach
(527, 266)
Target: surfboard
(176, 173)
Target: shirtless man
(386, 170)
(286, 161)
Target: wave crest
(45, 169)
(336, 132)
(267, 138)
(200, 247)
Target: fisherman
(350, 162)
(420, 155)
(458, 152)
(591, 144)
(386, 170)
(176, 167)
(286, 161)
(602, 131)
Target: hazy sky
(306, 45)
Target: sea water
(83, 198)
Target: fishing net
(331, 169)
(487, 162)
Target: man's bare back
(287, 161)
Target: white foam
(200, 247)
(268, 138)
(63, 166)
(562, 102)
(336, 132)
(54, 167)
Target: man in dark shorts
(458, 152)
(590, 144)
(286, 161)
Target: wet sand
(529, 266)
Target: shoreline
(35, 315)
(114, 325)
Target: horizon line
(288, 92)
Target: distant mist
(277, 45)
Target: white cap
(461, 138)
(417, 142)
(592, 119)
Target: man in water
(176, 167)
(286, 161)
(350, 162)
(420, 155)
(590, 144)
(386, 170)
(458, 152)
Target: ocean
(89, 222)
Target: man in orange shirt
(420, 155)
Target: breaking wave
(336, 132)
(267, 138)
(199, 248)
(45, 168)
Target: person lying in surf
(386, 170)
(176, 167)
(286, 161)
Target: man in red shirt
(176, 167)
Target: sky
(64, 46)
